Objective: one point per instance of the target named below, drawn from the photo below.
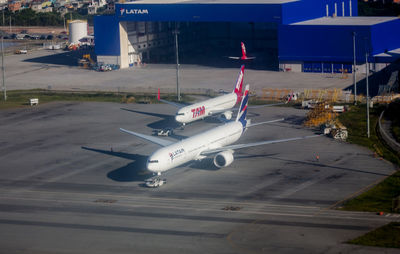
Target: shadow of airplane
(208, 163)
(133, 172)
(168, 121)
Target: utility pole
(178, 91)
(10, 24)
(354, 68)
(2, 68)
(367, 87)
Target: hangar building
(290, 35)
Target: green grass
(20, 98)
(356, 123)
(387, 236)
(379, 198)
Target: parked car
(35, 37)
(50, 37)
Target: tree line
(28, 17)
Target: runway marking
(112, 228)
(339, 215)
(172, 207)
(223, 203)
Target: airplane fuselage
(206, 108)
(190, 149)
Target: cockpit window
(180, 114)
(153, 161)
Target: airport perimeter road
(71, 182)
(57, 70)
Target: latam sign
(134, 11)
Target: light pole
(354, 68)
(2, 68)
(178, 91)
(367, 88)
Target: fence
(330, 95)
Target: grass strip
(387, 236)
(20, 98)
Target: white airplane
(244, 56)
(212, 142)
(218, 105)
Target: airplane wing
(155, 140)
(267, 142)
(271, 121)
(175, 104)
(234, 57)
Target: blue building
(292, 35)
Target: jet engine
(227, 115)
(223, 159)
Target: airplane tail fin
(241, 117)
(243, 51)
(158, 94)
(239, 84)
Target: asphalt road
(71, 182)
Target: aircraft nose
(154, 164)
(179, 118)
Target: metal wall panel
(327, 67)
(322, 43)
(199, 12)
(307, 67)
(317, 67)
(106, 36)
(337, 68)
(347, 68)
(385, 37)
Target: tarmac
(71, 182)
(57, 70)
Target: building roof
(346, 21)
(211, 1)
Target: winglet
(158, 94)
(239, 84)
(241, 117)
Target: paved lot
(57, 70)
(72, 183)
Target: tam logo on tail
(239, 84)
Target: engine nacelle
(223, 159)
(227, 115)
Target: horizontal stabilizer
(155, 140)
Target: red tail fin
(243, 51)
(239, 84)
(158, 94)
